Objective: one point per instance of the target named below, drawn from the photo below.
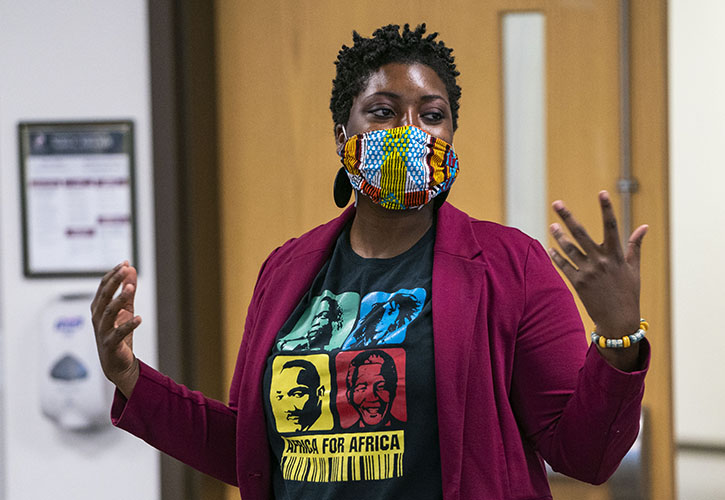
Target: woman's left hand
(605, 277)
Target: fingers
(563, 264)
(576, 229)
(104, 281)
(634, 246)
(611, 248)
(110, 312)
(106, 289)
(117, 323)
(569, 248)
(130, 278)
(123, 331)
(611, 234)
(121, 274)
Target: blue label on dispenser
(68, 324)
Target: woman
(463, 390)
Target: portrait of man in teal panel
(325, 324)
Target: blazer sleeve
(195, 429)
(185, 424)
(581, 414)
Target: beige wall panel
(276, 132)
(583, 114)
(651, 206)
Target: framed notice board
(78, 197)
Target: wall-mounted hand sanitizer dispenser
(74, 393)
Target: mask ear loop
(344, 132)
(341, 146)
(341, 188)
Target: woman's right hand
(113, 324)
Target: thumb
(634, 246)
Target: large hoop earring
(342, 189)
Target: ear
(339, 135)
(321, 391)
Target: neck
(379, 233)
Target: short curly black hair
(356, 64)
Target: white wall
(697, 197)
(697, 204)
(79, 60)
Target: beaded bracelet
(625, 341)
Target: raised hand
(114, 323)
(605, 276)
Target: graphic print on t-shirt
(357, 456)
(341, 412)
(371, 319)
(300, 393)
(371, 388)
(384, 317)
(325, 324)
(369, 442)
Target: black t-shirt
(350, 384)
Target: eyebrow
(393, 95)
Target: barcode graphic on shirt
(363, 456)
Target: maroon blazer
(515, 383)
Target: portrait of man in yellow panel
(300, 393)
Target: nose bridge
(376, 391)
(410, 117)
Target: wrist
(618, 329)
(604, 340)
(621, 352)
(127, 382)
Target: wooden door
(275, 67)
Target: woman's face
(401, 94)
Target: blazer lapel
(458, 284)
(284, 288)
(292, 279)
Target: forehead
(405, 79)
(369, 370)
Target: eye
(433, 116)
(382, 112)
(297, 393)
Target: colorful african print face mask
(399, 168)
